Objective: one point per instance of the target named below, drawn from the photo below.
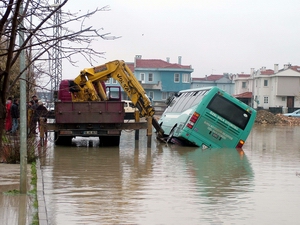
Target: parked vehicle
(208, 118)
(293, 114)
(130, 109)
(51, 111)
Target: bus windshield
(229, 111)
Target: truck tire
(62, 140)
(109, 141)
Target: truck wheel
(109, 141)
(62, 140)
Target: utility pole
(23, 110)
(56, 67)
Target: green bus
(207, 117)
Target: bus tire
(176, 141)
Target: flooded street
(15, 208)
(169, 184)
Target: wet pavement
(14, 208)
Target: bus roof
(198, 89)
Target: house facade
(267, 88)
(243, 88)
(224, 82)
(160, 79)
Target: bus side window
(184, 101)
(198, 99)
(173, 100)
(189, 102)
(178, 102)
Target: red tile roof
(158, 63)
(208, 78)
(296, 68)
(131, 66)
(244, 95)
(267, 72)
(243, 75)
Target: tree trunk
(2, 119)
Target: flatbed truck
(87, 108)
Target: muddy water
(168, 184)
(14, 208)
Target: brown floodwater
(14, 208)
(169, 184)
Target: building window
(266, 100)
(114, 81)
(265, 83)
(151, 95)
(142, 78)
(185, 78)
(150, 77)
(164, 95)
(176, 77)
(243, 84)
(108, 81)
(283, 99)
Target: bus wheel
(176, 141)
(171, 135)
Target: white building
(267, 88)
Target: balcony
(152, 86)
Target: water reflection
(169, 184)
(219, 172)
(14, 208)
(269, 138)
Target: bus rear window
(229, 111)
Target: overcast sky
(213, 36)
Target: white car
(293, 114)
(129, 109)
(51, 112)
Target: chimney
(286, 66)
(135, 58)
(179, 60)
(168, 59)
(275, 68)
(251, 71)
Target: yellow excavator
(89, 85)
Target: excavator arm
(88, 87)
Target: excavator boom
(88, 87)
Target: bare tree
(35, 20)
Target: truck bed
(89, 112)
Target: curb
(42, 210)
